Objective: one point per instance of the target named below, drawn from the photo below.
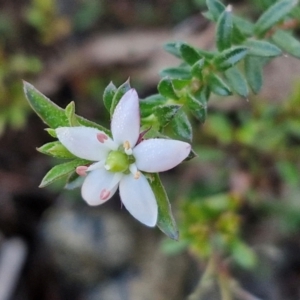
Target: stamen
(101, 137)
(81, 170)
(104, 195)
(134, 171)
(126, 145)
(127, 148)
(137, 175)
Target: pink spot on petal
(101, 137)
(104, 194)
(81, 170)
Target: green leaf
(224, 30)
(182, 126)
(179, 84)
(273, 15)
(147, 104)
(56, 149)
(237, 81)
(70, 113)
(50, 113)
(215, 8)
(197, 108)
(262, 48)
(246, 27)
(253, 72)
(287, 42)
(165, 222)
(230, 57)
(189, 54)
(243, 255)
(206, 54)
(108, 95)
(218, 86)
(179, 73)
(197, 68)
(173, 48)
(165, 113)
(62, 170)
(166, 88)
(122, 89)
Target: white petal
(125, 124)
(158, 155)
(138, 198)
(83, 142)
(97, 182)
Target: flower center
(117, 161)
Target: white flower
(119, 162)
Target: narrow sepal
(59, 171)
(166, 222)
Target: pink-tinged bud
(104, 194)
(81, 170)
(101, 137)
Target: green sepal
(51, 132)
(215, 8)
(273, 15)
(122, 89)
(56, 149)
(51, 114)
(287, 42)
(197, 108)
(166, 88)
(224, 30)
(253, 71)
(182, 126)
(108, 95)
(59, 171)
(197, 68)
(237, 81)
(189, 54)
(262, 48)
(74, 181)
(70, 113)
(147, 104)
(218, 86)
(228, 58)
(178, 73)
(173, 48)
(165, 113)
(165, 222)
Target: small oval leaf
(287, 43)
(224, 30)
(218, 86)
(262, 48)
(253, 72)
(237, 81)
(182, 126)
(166, 88)
(273, 15)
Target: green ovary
(117, 161)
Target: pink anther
(101, 137)
(104, 194)
(81, 170)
